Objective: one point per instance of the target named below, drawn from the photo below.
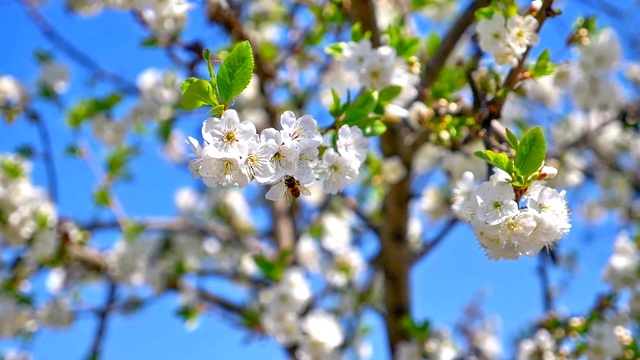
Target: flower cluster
(165, 18)
(13, 97)
(541, 346)
(158, 94)
(26, 214)
(505, 227)
(379, 68)
(54, 77)
(233, 154)
(317, 334)
(622, 268)
(507, 39)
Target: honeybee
(290, 188)
(295, 188)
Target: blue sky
(441, 285)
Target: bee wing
(304, 190)
(276, 191)
(288, 197)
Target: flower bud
(547, 173)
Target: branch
(210, 298)
(353, 205)
(98, 339)
(47, 153)
(456, 30)
(74, 53)
(495, 106)
(165, 224)
(429, 245)
(547, 292)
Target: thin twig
(441, 235)
(73, 52)
(547, 292)
(47, 154)
(98, 339)
(510, 82)
(448, 43)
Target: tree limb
(449, 41)
(74, 53)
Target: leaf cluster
(234, 75)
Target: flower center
(229, 137)
(497, 205)
(228, 166)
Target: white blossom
(227, 136)
(54, 76)
(522, 32)
(352, 143)
(323, 334)
(622, 268)
(495, 202)
(336, 171)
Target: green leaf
(433, 43)
(132, 230)
(235, 72)
(273, 270)
(366, 102)
(336, 108)
(186, 83)
(485, 13)
(499, 160)
(150, 41)
(43, 57)
(86, 109)
(512, 139)
(268, 51)
(13, 169)
(450, 80)
(531, 152)
(335, 49)
(217, 111)
(374, 128)
(389, 93)
(543, 66)
(118, 160)
(198, 93)
(355, 116)
(101, 197)
(206, 54)
(408, 47)
(503, 162)
(356, 33)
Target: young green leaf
(336, 108)
(373, 128)
(499, 160)
(543, 66)
(186, 83)
(206, 54)
(235, 72)
(485, 13)
(356, 32)
(366, 102)
(355, 116)
(389, 93)
(199, 93)
(531, 152)
(335, 49)
(512, 139)
(433, 42)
